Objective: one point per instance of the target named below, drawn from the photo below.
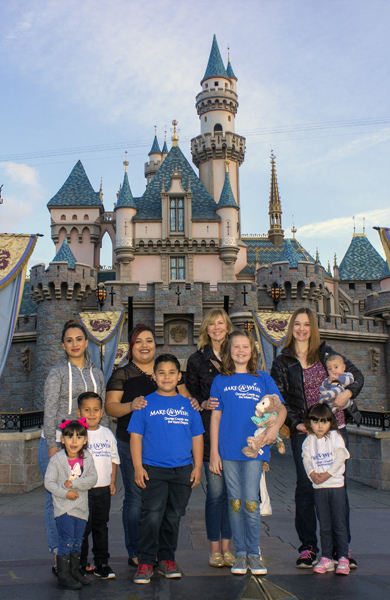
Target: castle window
(74, 217)
(205, 119)
(206, 85)
(217, 128)
(351, 286)
(216, 83)
(229, 118)
(226, 85)
(86, 217)
(177, 268)
(63, 218)
(369, 286)
(176, 214)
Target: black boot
(65, 580)
(75, 569)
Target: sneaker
(324, 566)
(255, 565)
(169, 569)
(216, 560)
(352, 562)
(143, 574)
(228, 559)
(342, 566)
(307, 559)
(240, 566)
(104, 572)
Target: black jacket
(287, 373)
(200, 374)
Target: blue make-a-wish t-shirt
(238, 395)
(167, 424)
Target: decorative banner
(121, 354)
(104, 331)
(15, 251)
(384, 234)
(271, 330)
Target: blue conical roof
(227, 196)
(229, 71)
(65, 254)
(288, 254)
(155, 149)
(76, 191)
(215, 66)
(165, 148)
(126, 198)
(361, 261)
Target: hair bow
(83, 421)
(65, 423)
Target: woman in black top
(202, 368)
(126, 390)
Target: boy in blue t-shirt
(166, 444)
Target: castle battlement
(58, 281)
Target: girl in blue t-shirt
(238, 389)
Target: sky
(89, 80)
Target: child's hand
(72, 495)
(112, 488)
(196, 475)
(323, 477)
(215, 465)
(210, 404)
(140, 475)
(68, 483)
(139, 403)
(315, 477)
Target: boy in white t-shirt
(103, 447)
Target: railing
(371, 418)
(20, 421)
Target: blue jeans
(51, 529)
(217, 507)
(243, 486)
(132, 501)
(331, 507)
(70, 534)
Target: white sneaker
(240, 566)
(256, 566)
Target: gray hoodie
(58, 472)
(56, 394)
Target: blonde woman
(202, 367)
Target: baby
(336, 383)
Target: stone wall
(19, 470)
(370, 456)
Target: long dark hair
(313, 353)
(321, 411)
(77, 428)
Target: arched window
(63, 218)
(86, 217)
(217, 128)
(176, 214)
(74, 217)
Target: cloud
(353, 147)
(341, 226)
(21, 194)
(20, 173)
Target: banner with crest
(104, 332)
(15, 251)
(271, 331)
(384, 234)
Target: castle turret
(228, 210)
(164, 151)
(155, 160)
(125, 210)
(216, 106)
(275, 233)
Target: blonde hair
(210, 317)
(228, 367)
(313, 353)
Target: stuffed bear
(265, 416)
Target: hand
(140, 475)
(323, 477)
(72, 495)
(195, 404)
(269, 435)
(301, 427)
(68, 483)
(215, 465)
(112, 488)
(196, 476)
(138, 403)
(342, 399)
(315, 477)
(210, 404)
(53, 451)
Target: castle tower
(275, 233)
(164, 151)
(216, 106)
(75, 212)
(155, 160)
(228, 210)
(125, 210)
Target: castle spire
(215, 66)
(275, 233)
(175, 137)
(229, 68)
(155, 149)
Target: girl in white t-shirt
(324, 455)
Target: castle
(178, 251)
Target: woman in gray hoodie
(65, 382)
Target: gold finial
(294, 229)
(155, 131)
(175, 138)
(272, 157)
(227, 161)
(126, 162)
(228, 49)
(364, 225)
(317, 256)
(354, 228)
(335, 261)
(165, 134)
(101, 189)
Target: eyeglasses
(323, 420)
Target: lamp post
(101, 295)
(248, 326)
(276, 292)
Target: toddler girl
(69, 475)
(238, 389)
(324, 455)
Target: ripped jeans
(243, 486)
(70, 532)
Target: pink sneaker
(342, 566)
(325, 565)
